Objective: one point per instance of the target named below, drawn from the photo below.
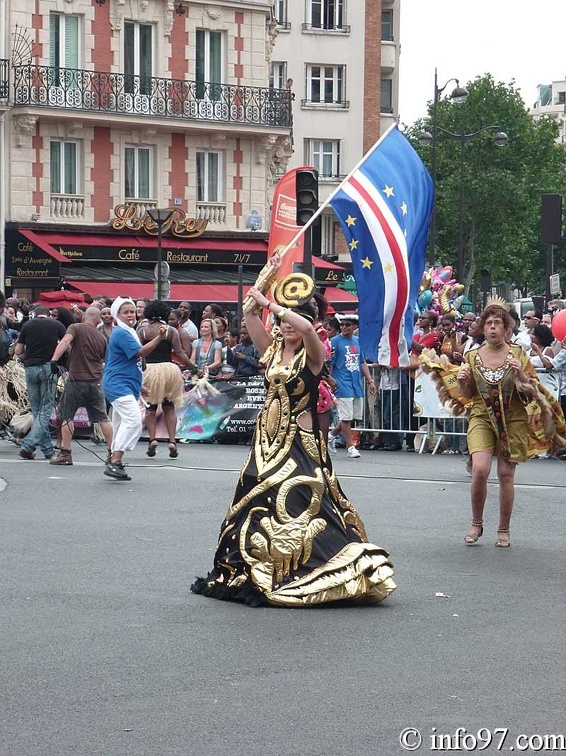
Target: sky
(470, 38)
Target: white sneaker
(353, 452)
(332, 444)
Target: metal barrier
(390, 412)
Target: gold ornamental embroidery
(288, 468)
(289, 539)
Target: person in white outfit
(122, 382)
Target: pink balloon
(445, 274)
(559, 325)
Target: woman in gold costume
(290, 536)
(511, 415)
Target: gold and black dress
(290, 536)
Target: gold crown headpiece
(497, 302)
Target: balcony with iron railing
(124, 95)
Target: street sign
(555, 283)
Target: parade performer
(290, 537)
(511, 414)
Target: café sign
(127, 217)
(25, 260)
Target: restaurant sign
(173, 255)
(128, 218)
(25, 260)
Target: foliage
(502, 185)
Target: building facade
(112, 108)
(551, 101)
(340, 59)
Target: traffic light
(306, 185)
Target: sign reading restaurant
(171, 254)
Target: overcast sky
(469, 38)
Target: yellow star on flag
(367, 263)
(388, 191)
(388, 268)
(354, 243)
(351, 221)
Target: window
(325, 84)
(386, 96)
(209, 177)
(138, 58)
(63, 41)
(387, 25)
(561, 98)
(64, 167)
(209, 64)
(326, 14)
(63, 50)
(138, 172)
(324, 155)
(280, 11)
(278, 75)
(327, 229)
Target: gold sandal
(472, 538)
(503, 543)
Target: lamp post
(500, 139)
(458, 95)
(160, 216)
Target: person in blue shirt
(348, 365)
(122, 382)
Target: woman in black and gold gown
(290, 536)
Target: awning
(338, 296)
(134, 274)
(194, 293)
(201, 293)
(131, 248)
(43, 244)
(320, 262)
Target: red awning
(320, 262)
(194, 293)
(339, 296)
(203, 293)
(48, 241)
(43, 243)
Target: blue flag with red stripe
(384, 209)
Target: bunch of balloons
(439, 291)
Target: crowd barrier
(404, 409)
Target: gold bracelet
(281, 313)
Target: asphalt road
(105, 652)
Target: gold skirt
(164, 381)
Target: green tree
(502, 185)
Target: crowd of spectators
(215, 348)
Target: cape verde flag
(384, 208)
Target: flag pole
(266, 273)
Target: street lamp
(500, 139)
(160, 216)
(458, 95)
